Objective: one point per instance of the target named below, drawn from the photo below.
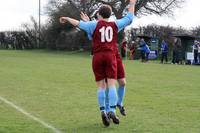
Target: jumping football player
(104, 37)
(120, 73)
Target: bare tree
(72, 8)
(196, 31)
(32, 32)
(159, 7)
(143, 7)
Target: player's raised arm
(127, 20)
(88, 26)
(84, 17)
(72, 21)
(131, 8)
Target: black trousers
(164, 56)
(199, 57)
(195, 56)
(175, 57)
(123, 53)
(143, 55)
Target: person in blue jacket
(142, 49)
(164, 51)
(195, 51)
(147, 52)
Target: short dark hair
(96, 15)
(105, 11)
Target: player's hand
(63, 20)
(84, 17)
(133, 1)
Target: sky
(15, 12)
(187, 16)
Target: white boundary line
(29, 115)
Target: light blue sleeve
(125, 21)
(88, 27)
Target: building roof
(185, 37)
(144, 36)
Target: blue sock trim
(121, 94)
(107, 101)
(101, 99)
(102, 108)
(112, 98)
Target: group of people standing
(144, 50)
(177, 51)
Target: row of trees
(66, 37)
(14, 40)
(24, 39)
(57, 35)
(76, 40)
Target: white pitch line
(29, 115)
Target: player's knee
(101, 84)
(111, 82)
(122, 82)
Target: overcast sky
(15, 12)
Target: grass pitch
(59, 88)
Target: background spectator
(123, 48)
(142, 49)
(199, 51)
(132, 50)
(147, 52)
(195, 51)
(164, 51)
(175, 52)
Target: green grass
(59, 88)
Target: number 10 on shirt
(106, 34)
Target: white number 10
(106, 34)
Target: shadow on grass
(92, 128)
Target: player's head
(196, 42)
(105, 11)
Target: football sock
(121, 93)
(112, 98)
(101, 99)
(107, 101)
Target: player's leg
(112, 94)
(111, 74)
(122, 85)
(113, 97)
(101, 94)
(99, 73)
(121, 94)
(107, 98)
